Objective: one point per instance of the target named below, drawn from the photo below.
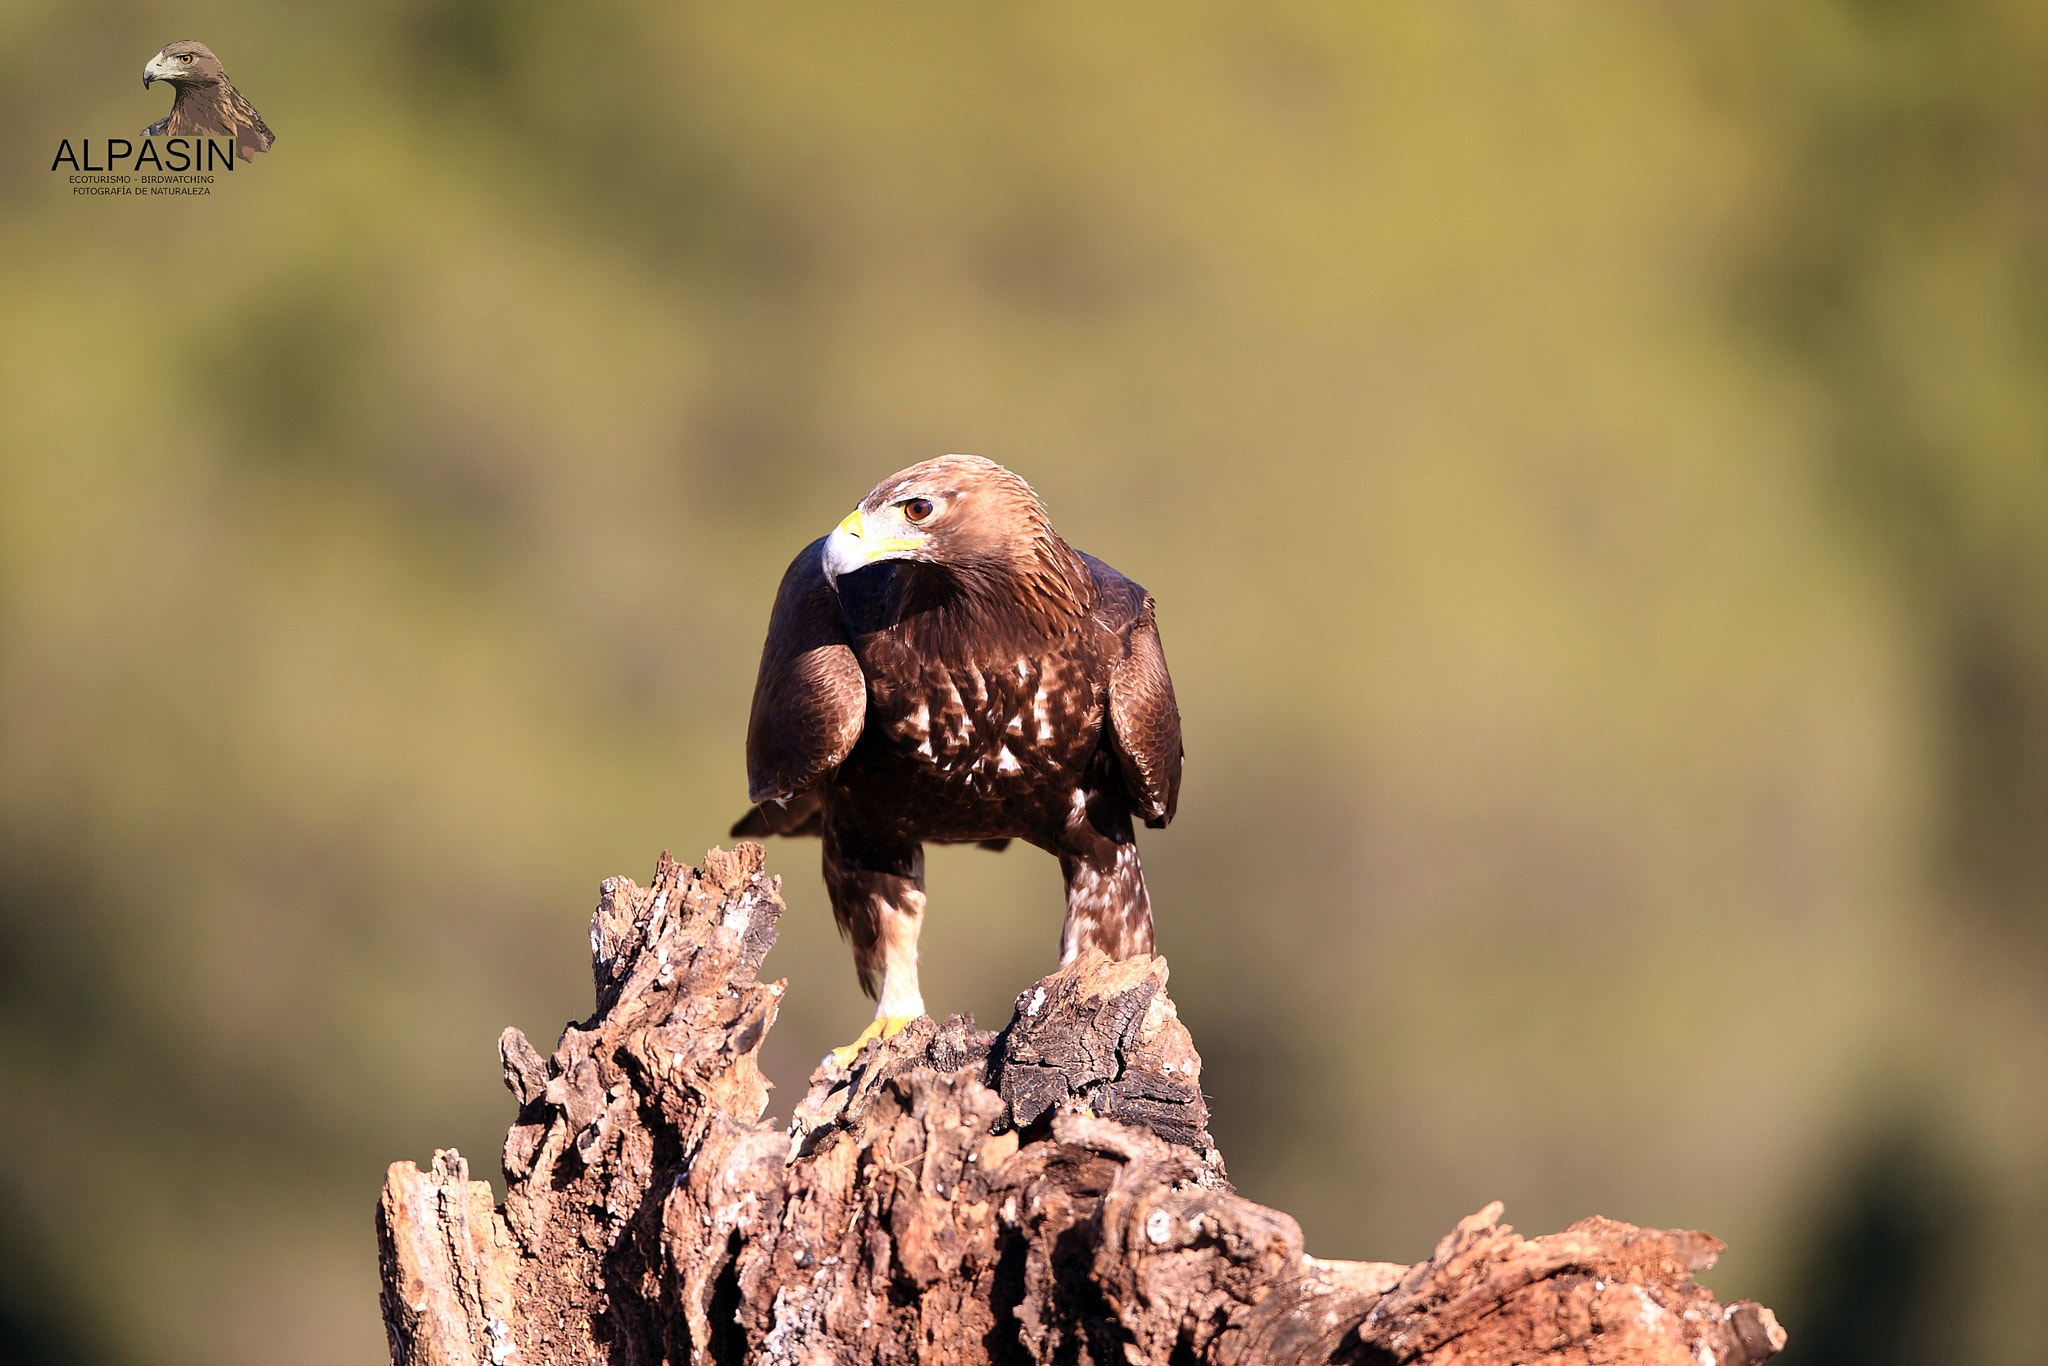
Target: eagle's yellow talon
(845, 1056)
(883, 1027)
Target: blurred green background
(1592, 461)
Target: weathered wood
(1047, 1194)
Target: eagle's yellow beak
(155, 70)
(850, 546)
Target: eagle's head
(970, 518)
(183, 63)
(956, 510)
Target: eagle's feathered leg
(877, 897)
(1107, 906)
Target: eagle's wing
(810, 698)
(251, 130)
(1144, 721)
(159, 128)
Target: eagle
(943, 666)
(207, 103)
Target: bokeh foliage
(1592, 462)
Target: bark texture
(1046, 1194)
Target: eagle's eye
(917, 509)
(185, 57)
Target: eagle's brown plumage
(945, 667)
(207, 103)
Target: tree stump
(1046, 1194)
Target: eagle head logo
(206, 103)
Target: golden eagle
(207, 103)
(944, 667)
